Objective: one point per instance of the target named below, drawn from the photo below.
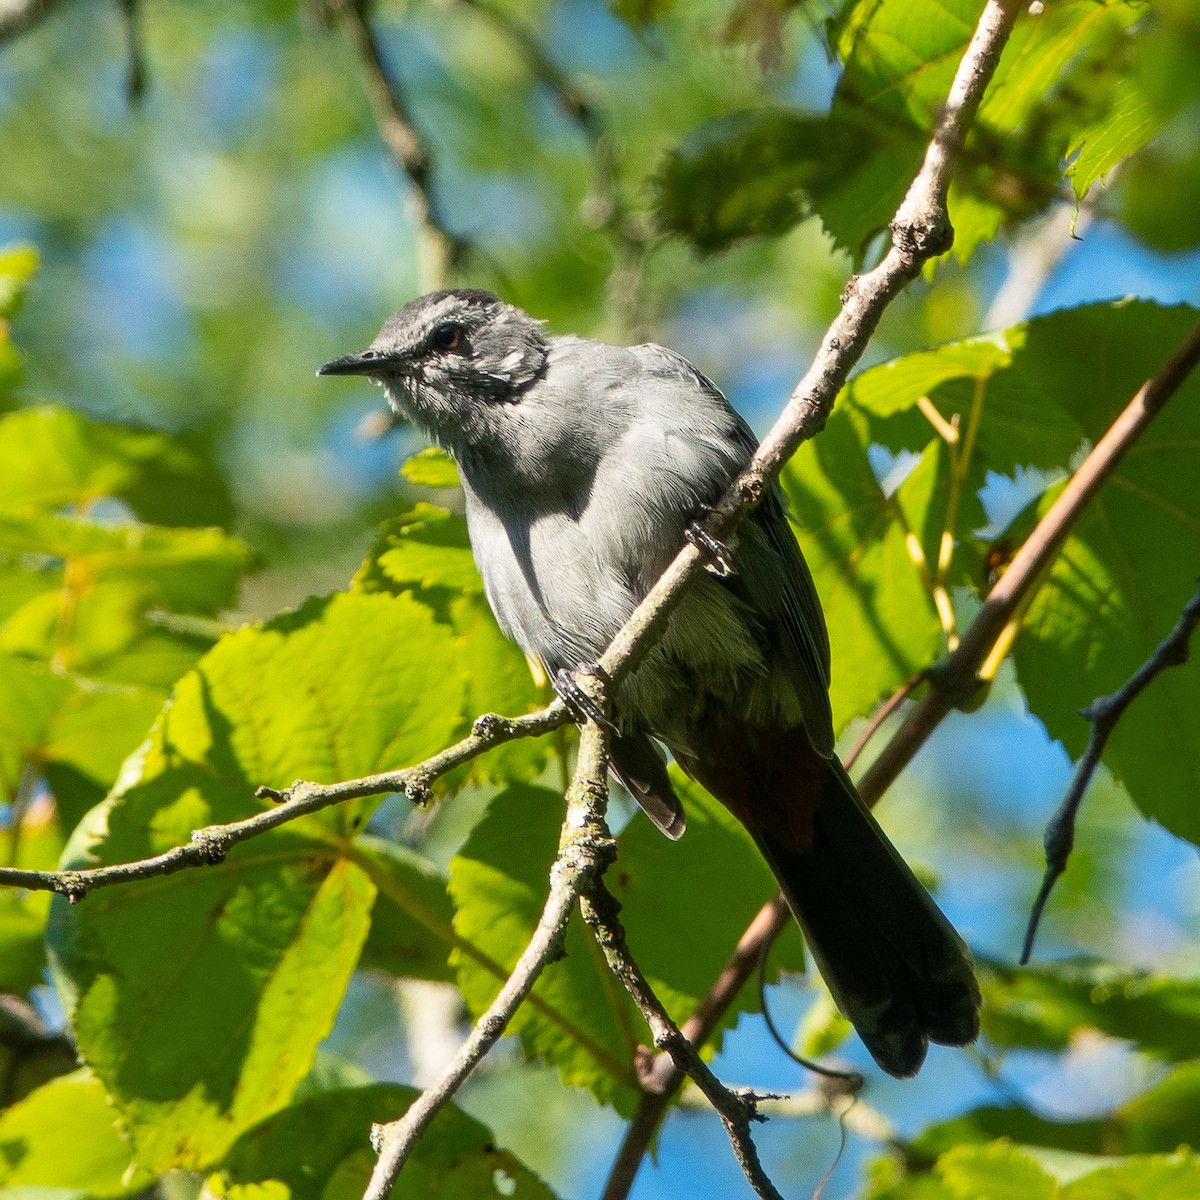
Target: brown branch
(442, 249)
(19, 16)
(957, 679)
(210, 844)
(585, 848)
(1104, 712)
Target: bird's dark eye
(447, 336)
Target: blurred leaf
(999, 1171)
(882, 624)
(1157, 1177)
(750, 174)
(412, 918)
(1161, 198)
(52, 458)
(17, 266)
(1158, 1120)
(318, 1149)
(63, 1136)
(823, 1028)
(1042, 1007)
(641, 12)
(432, 468)
(1014, 1124)
(263, 944)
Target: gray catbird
(584, 467)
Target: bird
(584, 467)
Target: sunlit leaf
(264, 943)
(64, 1136)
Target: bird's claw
(581, 705)
(712, 550)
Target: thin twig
(1103, 713)
(585, 848)
(441, 249)
(957, 679)
(210, 844)
(880, 715)
(736, 1110)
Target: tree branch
(585, 848)
(736, 1110)
(1104, 712)
(210, 844)
(957, 679)
(441, 249)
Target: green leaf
(432, 468)
(659, 883)
(17, 267)
(1000, 1171)
(1043, 1007)
(900, 57)
(425, 549)
(1049, 387)
(882, 623)
(251, 956)
(412, 920)
(318, 1149)
(1158, 1177)
(64, 1136)
(1123, 576)
(52, 458)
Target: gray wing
(772, 573)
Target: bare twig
(1104, 712)
(958, 678)
(441, 249)
(19, 16)
(210, 844)
(585, 848)
(736, 1110)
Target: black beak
(363, 362)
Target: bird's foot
(581, 705)
(715, 553)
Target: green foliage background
(207, 583)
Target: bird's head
(447, 357)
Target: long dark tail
(893, 963)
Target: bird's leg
(577, 700)
(714, 552)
